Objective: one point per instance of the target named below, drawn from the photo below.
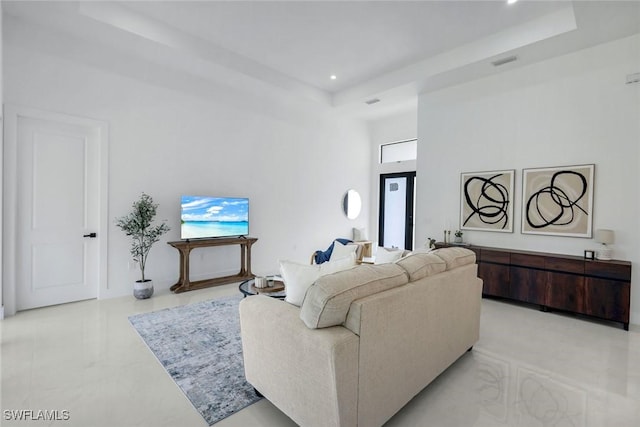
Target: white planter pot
(143, 290)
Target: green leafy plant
(458, 233)
(138, 224)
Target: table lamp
(606, 237)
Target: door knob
(91, 235)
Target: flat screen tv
(206, 217)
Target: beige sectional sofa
(366, 340)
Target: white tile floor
(529, 369)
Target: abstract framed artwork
(486, 201)
(558, 200)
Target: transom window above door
(399, 151)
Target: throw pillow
(386, 256)
(342, 251)
(360, 234)
(299, 277)
(340, 264)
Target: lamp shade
(606, 237)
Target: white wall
(399, 127)
(1, 159)
(573, 109)
(169, 142)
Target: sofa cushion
(298, 277)
(419, 265)
(328, 300)
(456, 257)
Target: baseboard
(634, 321)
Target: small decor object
(458, 238)
(432, 243)
(486, 200)
(261, 282)
(138, 224)
(271, 285)
(558, 201)
(267, 285)
(606, 237)
(589, 254)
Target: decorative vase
(143, 290)
(458, 239)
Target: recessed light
(333, 77)
(511, 1)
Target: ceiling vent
(633, 78)
(372, 101)
(502, 61)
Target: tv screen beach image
(214, 217)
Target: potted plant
(138, 224)
(458, 235)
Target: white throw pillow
(386, 256)
(342, 251)
(360, 234)
(299, 277)
(340, 264)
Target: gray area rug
(200, 347)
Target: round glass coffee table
(276, 291)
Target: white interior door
(58, 209)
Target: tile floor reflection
(536, 369)
(529, 369)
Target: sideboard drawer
(524, 260)
(564, 265)
(608, 269)
(499, 257)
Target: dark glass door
(397, 202)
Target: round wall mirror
(351, 204)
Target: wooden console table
(185, 247)
(563, 282)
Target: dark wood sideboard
(562, 282)
(186, 246)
